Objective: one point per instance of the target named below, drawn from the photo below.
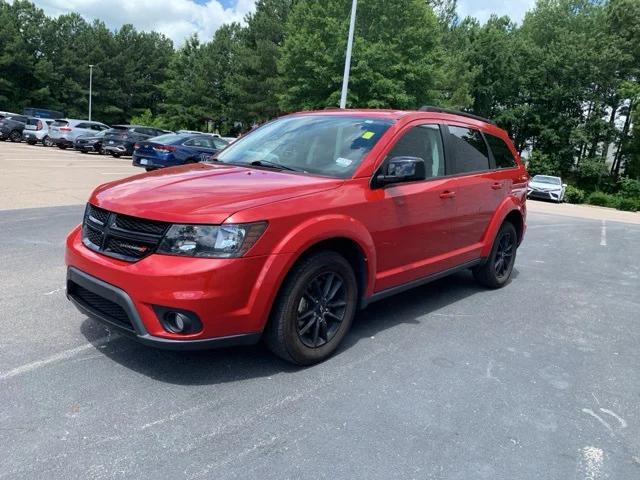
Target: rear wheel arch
(515, 218)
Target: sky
(178, 19)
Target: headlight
(211, 241)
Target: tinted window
(469, 149)
(83, 125)
(424, 141)
(60, 123)
(501, 152)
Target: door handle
(447, 194)
(496, 186)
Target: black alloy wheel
(321, 309)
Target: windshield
(326, 145)
(546, 179)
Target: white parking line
(29, 367)
(591, 461)
(603, 234)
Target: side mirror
(399, 170)
(564, 185)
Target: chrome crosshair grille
(120, 236)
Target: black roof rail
(429, 108)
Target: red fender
(508, 205)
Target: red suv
(286, 233)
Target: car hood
(204, 193)
(544, 186)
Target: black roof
(429, 108)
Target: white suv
(65, 130)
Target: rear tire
(496, 271)
(313, 310)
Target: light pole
(90, 88)
(347, 60)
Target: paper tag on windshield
(368, 135)
(343, 162)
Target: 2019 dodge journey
(286, 233)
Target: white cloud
(483, 9)
(177, 19)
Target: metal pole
(347, 60)
(90, 88)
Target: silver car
(546, 187)
(64, 131)
(37, 130)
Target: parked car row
(150, 147)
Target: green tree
(252, 86)
(394, 55)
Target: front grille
(121, 236)
(99, 305)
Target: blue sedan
(175, 149)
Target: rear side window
(469, 150)
(219, 144)
(203, 142)
(423, 141)
(501, 152)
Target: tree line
(564, 82)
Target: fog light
(178, 321)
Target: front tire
(15, 136)
(496, 270)
(314, 309)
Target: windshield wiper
(267, 163)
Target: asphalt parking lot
(538, 380)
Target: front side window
(501, 152)
(425, 142)
(325, 145)
(469, 150)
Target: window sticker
(368, 135)
(343, 162)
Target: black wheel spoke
(337, 285)
(327, 285)
(334, 316)
(306, 328)
(338, 304)
(305, 315)
(316, 333)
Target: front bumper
(554, 195)
(135, 328)
(121, 148)
(231, 297)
